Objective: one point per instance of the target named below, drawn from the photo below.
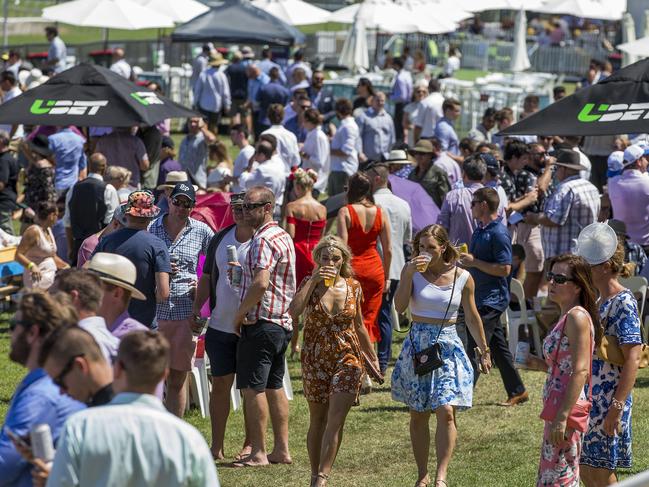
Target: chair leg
(288, 387)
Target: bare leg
(219, 412)
(339, 406)
(596, 477)
(257, 419)
(531, 284)
(317, 424)
(420, 439)
(247, 446)
(278, 405)
(445, 437)
(176, 400)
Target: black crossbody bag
(429, 359)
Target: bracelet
(615, 404)
(30, 266)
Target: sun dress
(42, 254)
(307, 236)
(331, 353)
(451, 384)
(559, 466)
(619, 315)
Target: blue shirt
(266, 65)
(254, 85)
(273, 92)
(445, 132)
(377, 133)
(293, 125)
(402, 87)
(36, 400)
(212, 91)
(150, 255)
(491, 244)
(70, 158)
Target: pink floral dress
(559, 465)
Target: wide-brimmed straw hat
(217, 59)
(398, 157)
(116, 270)
(597, 243)
(173, 178)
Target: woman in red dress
(360, 225)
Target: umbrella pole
(105, 39)
(5, 27)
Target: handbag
(372, 371)
(580, 412)
(430, 358)
(609, 349)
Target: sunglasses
(182, 204)
(238, 208)
(557, 278)
(305, 107)
(540, 154)
(253, 206)
(14, 322)
(58, 380)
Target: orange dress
(307, 236)
(331, 352)
(368, 268)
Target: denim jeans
(385, 326)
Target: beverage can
(522, 353)
(42, 444)
(232, 253)
(237, 273)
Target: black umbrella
(617, 105)
(89, 95)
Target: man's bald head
(97, 163)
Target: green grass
(497, 447)
(80, 35)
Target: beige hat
(175, 177)
(398, 156)
(117, 270)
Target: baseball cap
(632, 154)
(616, 161)
(490, 160)
(168, 142)
(184, 189)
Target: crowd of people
(116, 299)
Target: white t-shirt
(430, 111)
(240, 165)
(227, 298)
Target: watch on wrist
(615, 404)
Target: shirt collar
(93, 321)
(137, 399)
(102, 396)
(118, 321)
(265, 226)
(490, 224)
(96, 176)
(383, 191)
(571, 178)
(32, 377)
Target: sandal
(322, 476)
(443, 481)
(423, 483)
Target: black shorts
(221, 349)
(260, 356)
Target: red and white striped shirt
(271, 249)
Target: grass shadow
(641, 382)
(384, 409)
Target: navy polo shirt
(492, 244)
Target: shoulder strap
(214, 271)
(590, 365)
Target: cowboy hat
(116, 270)
(398, 156)
(569, 159)
(173, 178)
(597, 243)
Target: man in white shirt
(430, 111)
(574, 142)
(345, 147)
(287, 146)
(399, 214)
(239, 137)
(268, 172)
(10, 89)
(57, 53)
(199, 64)
(120, 66)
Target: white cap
(632, 154)
(616, 161)
(596, 243)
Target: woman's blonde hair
(219, 152)
(329, 241)
(617, 263)
(305, 179)
(118, 173)
(438, 232)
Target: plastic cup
(463, 248)
(422, 266)
(329, 281)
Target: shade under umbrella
(108, 14)
(355, 55)
(90, 95)
(588, 9)
(617, 105)
(179, 10)
(520, 61)
(294, 12)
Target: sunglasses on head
(253, 206)
(58, 380)
(557, 278)
(181, 203)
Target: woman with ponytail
(607, 443)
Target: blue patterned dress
(600, 450)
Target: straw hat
(596, 243)
(117, 270)
(217, 59)
(173, 178)
(398, 157)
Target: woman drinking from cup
(434, 288)
(607, 443)
(332, 362)
(568, 349)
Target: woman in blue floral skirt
(434, 295)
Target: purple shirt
(87, 248)
(450, 167)
(166, 167)
(124, 324)
(456, 216)
(629, 195)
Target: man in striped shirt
(265, 327)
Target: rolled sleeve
(261, 255)
(559, 208)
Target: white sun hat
(116, 270)
(596, 243)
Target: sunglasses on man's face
(557, 278)
(58, 380)
(182, 204)
(238, 208)
(254, 206)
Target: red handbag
(580, 412)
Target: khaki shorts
(182, 344)
(529, 236)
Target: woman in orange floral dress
(334, 335)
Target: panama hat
(570, 159)
(398, 157)
(173, 178)
(117, 270)
(597, 243)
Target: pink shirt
(87, 248)
(629, 195)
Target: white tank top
(430, 301)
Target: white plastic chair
(637, 285)
(199, 387)
(517, 318)
(288, 387)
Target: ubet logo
(613, 113)
(66, 107)
(147, 98)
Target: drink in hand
(331, 277)
(423, 265)
(463, 248)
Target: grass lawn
(497, 447)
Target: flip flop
(241, 464)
